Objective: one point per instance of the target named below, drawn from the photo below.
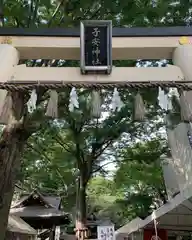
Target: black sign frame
(107, 66)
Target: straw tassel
(139, 108)
(96, 104)
(186, 111)
(52, 106)
(7, 109)
(88, 101)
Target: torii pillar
(182, 57)
(9, 58)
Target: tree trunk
(11, 146)
(82, 204)
(81, 208)
(12, 143)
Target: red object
(149, 234)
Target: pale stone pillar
(182, 57)
(9, 57)
(170, 178)
(181, 161)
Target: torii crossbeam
(127, 43)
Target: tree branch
(55, 13)
(2, 22)
(17, 186)
(42, 153)
(35, 11)
(59, 140)
(94, 156)
(30, 13)
(62, 144)
(101, 150)
(18, 23)
(101, 167)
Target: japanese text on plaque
(96, 46)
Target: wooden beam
(119, 74)
(64, 43)
(116, 32)
(68, 48)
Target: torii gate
(127, 43)
(121, 43)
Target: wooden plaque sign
(105, 232)
(96, 46)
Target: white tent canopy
(174, 215)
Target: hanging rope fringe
(31, 104)
(186, 111)
(139, 108)
(96, 104)
(24, 86)
(117, 104)
(52, 107)
(73, 100)
(7, 109)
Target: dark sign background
(89, 47)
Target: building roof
(54, 201)
(129, 226)
(40, 211)
(49, 201)
(16, 224)
(175, 214)
(37, 211)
